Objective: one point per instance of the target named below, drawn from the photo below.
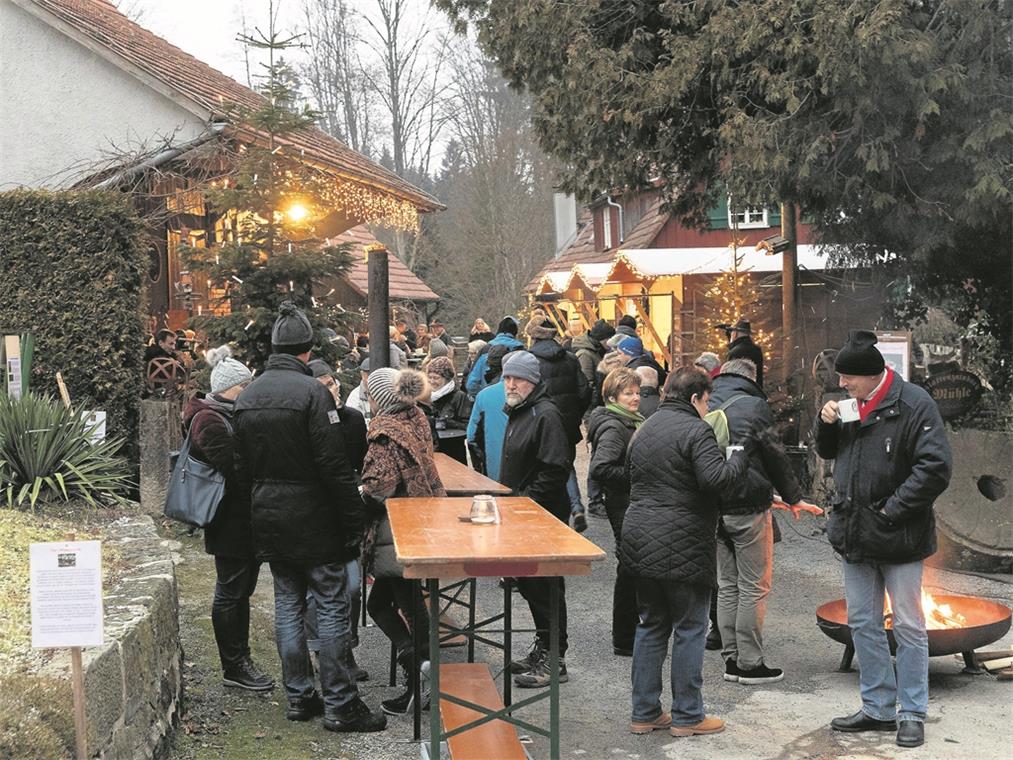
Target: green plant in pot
(47, 455)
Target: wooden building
(627, 256)
(114, 106)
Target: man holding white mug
(892, 462)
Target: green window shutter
(718, 215)
(774, 216)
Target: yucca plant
(46, 454)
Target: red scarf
(865, 408)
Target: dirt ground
(969, 716)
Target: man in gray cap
(892, 461)
(307, 517)
(536, 462)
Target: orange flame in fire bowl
(937, 616)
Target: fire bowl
(987, 621)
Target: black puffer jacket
(564, 383)
(537, 455)
(897, 460)
(749, 415)
(647, 359)
(676, 473)
(610, 435)
(305, 501)
(744, 348)
(211, 441)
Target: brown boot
(709, 725)
(660, 723)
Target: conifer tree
(733, 295)
(271, 202)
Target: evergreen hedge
(72, 273)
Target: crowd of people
(685, 464)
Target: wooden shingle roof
(404, 284)
(193, 83)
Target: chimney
(565, 212)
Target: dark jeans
(354, 585)
(390, 603)
(230, 610)
(624, 593)
(328, 585)
(676, 610)
(536, 593)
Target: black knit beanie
(859, 356)
(601, 331)
(292, 328)
(628, 321)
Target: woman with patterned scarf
(399, 462)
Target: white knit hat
(226, 372)
(390, 388)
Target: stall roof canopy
(404, 284)
(203, 90)
(652, 263)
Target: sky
(207, 29)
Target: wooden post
(789, 279)
(77, 686)
(77, 677)
(64, 394)
(378, 299)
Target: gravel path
(969, 715)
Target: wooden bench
(495, 740)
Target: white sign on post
(66, 586)
(95, 424)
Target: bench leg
(554, 668)
(434, 668)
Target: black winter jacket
(647, 359)
(749, 415)
(537, 455)
(650, 399)
(353, 427)
(744, 348)
(229, 534)
(676, 473)
(450, 416)
(305, 502)
(897, 460)
(610, 436)
(564, 383)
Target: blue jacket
(489, 419)
(476, 378)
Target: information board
(66, 592)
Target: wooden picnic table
(431, 542)
(461, 480)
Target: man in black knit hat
(307, 517)
(892, 462)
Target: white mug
(847, 410)
(730, 450)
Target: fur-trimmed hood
(538, 331)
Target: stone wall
(133, 684)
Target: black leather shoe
(911, 733)
(862, 722)
(305, 709)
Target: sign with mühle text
(66, 592)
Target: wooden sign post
(66, 594)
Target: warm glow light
(297, 212)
